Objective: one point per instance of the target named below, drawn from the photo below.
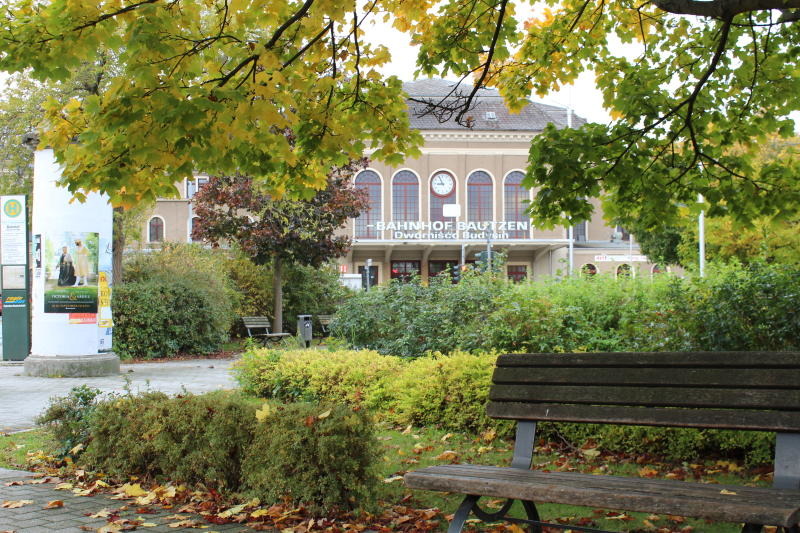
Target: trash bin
(305, 329)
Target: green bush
(341, 376)
(450, 391)
(191, 439)
(69, 417)
(159, 318)
(179, 299)
(320, 456)
(676, 444)
(734, 308)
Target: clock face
(442, 184)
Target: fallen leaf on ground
(54, 504)
(14, 504)
(448, 455)
(727, 492)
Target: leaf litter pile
(144, 505)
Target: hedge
(451, 392)
(321, 456)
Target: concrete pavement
(23, 398)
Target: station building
(461, 197)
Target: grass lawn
(14, 447)
(416, 448)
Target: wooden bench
(723, 390)
(325, 323)
(258, 327)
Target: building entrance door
(373, 276)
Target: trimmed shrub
(159, 318)
(320, 456)
(342, 376)
(191, 439)
(451, 392)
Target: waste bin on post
(305, 329)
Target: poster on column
(71, 275)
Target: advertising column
(71, 313)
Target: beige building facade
(462, 196)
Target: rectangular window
(404, 270)
(517, 273)
(579, 231)
(192, 186)
(438, 267)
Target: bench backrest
(256, 322)
(725, 390)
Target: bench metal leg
(533, 514)
(460, 518)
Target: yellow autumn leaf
(727, 492)
(326, 414)
(133, 490)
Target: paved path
(23, 398)
(74, 517)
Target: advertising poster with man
(71, 274)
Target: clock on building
(442, 184)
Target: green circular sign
(13, 208)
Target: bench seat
(660, 496)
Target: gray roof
(533, 117)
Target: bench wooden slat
(656, 359)
(784, 399)
(754, 505)
(760, 378)
(781, 421)
(256, 321)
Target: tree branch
(724, 9)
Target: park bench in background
(258, 327)
(722, 390)
(325, 323)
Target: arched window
(588, 270)
(442, 191)
(516, 199)
(405, 197)
(369, 181)
(657, 269)
(624, 271)
(479, 197)
(155, 230)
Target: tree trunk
(118, 245)
(277, 291)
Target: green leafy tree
(216, 85)
(279, 231)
